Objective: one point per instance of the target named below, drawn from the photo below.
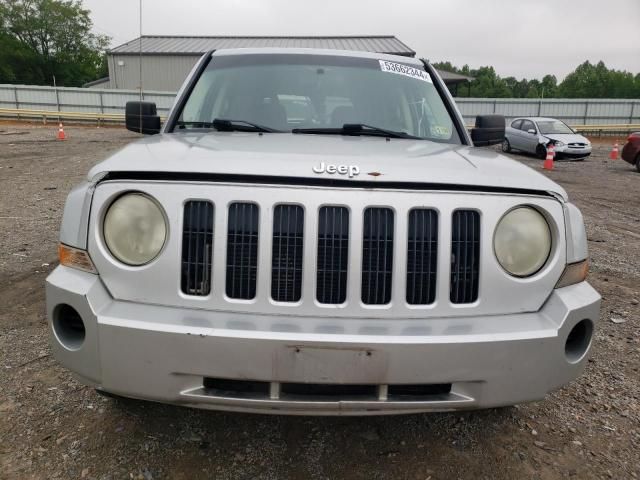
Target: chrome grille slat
(287, 248)
(332, 255)
(242, 250)
(465, 250)
(422, 256)
(197, 241)
(377, 255)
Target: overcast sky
(523, 38)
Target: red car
(631, 150)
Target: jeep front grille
(242, 250)
(287, 248)
(377, 256)
(197, 241)
(333, 255)
(417, 230)
(465, 256)
(422, 256)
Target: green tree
(597, 81)
(549, 86)
(586, 81)
(521, 90)
(490, 84)
(511, 83)
(447, 67)
(16, 62)
(40, 39)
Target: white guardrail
(107, 105)
(18, 101)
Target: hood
(567, 137)
(289, 155)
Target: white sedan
(533, 134)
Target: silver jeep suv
(315, 232)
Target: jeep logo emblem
(351, 170)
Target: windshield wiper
(226, 125)
(356, 129)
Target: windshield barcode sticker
(405, 70)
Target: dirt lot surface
(53, 427)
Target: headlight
(558, 143)
(134, 229)
(522, 241)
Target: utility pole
(140, 62)
(55, 88)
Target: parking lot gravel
(53, 427)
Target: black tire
(541, 152)
(638, 163)
(506, 146)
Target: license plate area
(302, 364)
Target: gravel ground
(53, 427)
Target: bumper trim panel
(162, 354)
(322, 406)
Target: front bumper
(165, 354)
(569, 152)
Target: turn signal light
(75, 258)
(574, 273)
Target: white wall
(159, 72)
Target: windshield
(553, 126)
(292, 91)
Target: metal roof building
(167, 60)
(173, 45)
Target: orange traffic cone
(548, 162)
(61, 135)
(614, 152)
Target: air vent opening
(68, 326)
(336, 391)
(197, 247)
(332, 255)
(465, 256)
(405, 392)
(226, 387)
(422, 256)
(578, 341)
(287, 253)
(377, 256)
(242, 251)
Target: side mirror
(489, 130)
(531, 131)
(142, 117)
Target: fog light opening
(578, 341)
(68, 327)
